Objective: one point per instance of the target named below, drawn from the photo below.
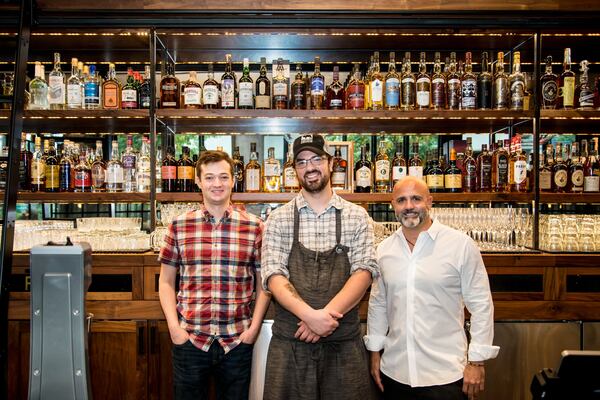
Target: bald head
(412, 183)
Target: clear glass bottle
(408, 85)
(423, 85)
(111, 90)
(438, 85)
(98, 170)
(253, 171)
(114, 170)
(263, 87)
(585, 100)
(317, 87)
(211, 90)
(298, 92)
(501, 89)
(468, 85)
(38, 168)
(518, 170)
(566, 91)
(91, 90)
(392, 85)
(549, 82)
(129, 162)
(382, 169)
(144, 178)
(192, 92)
(484, 84)
(516, 82)
(82, 71)
(246, 85)
(74, 92)
(376, 85)
(280, 87)
(228, 85)
(272, 173)
(38, 89)
(158, 170)
(56, 86)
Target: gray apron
(336, 367)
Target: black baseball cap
(314, 143)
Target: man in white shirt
(428, 274)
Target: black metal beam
(12, 184)
(153, 159)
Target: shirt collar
(335, 201)
(207, 216)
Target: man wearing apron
(318, 261)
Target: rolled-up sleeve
(362, 250)
(275, 250)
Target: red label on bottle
(83, 179)
(168, 172)
(356, 97)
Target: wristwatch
(475, 363)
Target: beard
(412, 218)
(314, 186)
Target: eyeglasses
(316, 161)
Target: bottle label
(168, 172)
(263, 101)
(438, 93)
(382, 170)
(83, 179)
(338, 178)
(210, 95)
(185, 172)
(336, 103)
(376, 91)
(469, 93)
(98, 176)
(290, 179)
(262, 88)
(423, 92)
(453, 181)
(568, 92)
(591, 184)
(501, 92)
(52, 176)
(545, 180)
(56, 90)
(272, 169)
(549, 92)
(245, 97)
(114, 175)
(317, 86)
(74, 95)
(228, 93)
(502, 171)
(521, 171)
(280, 89)
(398, 172)
(392, 92)
(586, 99)
(560, 178)
(128, 161)
(577, 179)
(192, 95)
(129, 98)
(470, 177)
(91, 93)
(38, 172)
(517, 94)
(111, 97)
(252, 180)
(363, 177)
(417, 172)
(486, 175)
(453, 93)
(435, 181)
(356, 97)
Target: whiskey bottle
(263, 87)
(576, 175)
(228, 85)
(211, 90)
(129, 95)
(398, 166)
(415, 164)
(435, 176)
(129, 164)
(246, 85)
(280, 88)
(363, 173)
(168, 171)
(317, 87)
(549, 82)
(192, 92)
(83, 176)
(438, 85)
(91, 90)
(484, 84)
(290, 179)
(65, 171)
(484, 170)
(339, 173)
(252, 173)
(74, 92)
(468, 85)
(355, 93)
(423, 85)
(560, 172)
(500, 161)
(144, 178)
(335, 92)
(238, 171)
(38, 89)
(144, 95)
(38, 168)
(454, 91)
(501, 89)
(272, 172)
(591, 179)
(516, 82)
(453, 175)
(185, 171)
(56, 86)
(566, 91)
(367, 80)
(98, 170)
(298, 101)
(376, 85)
(382, 169)
(585, 98)
(408, 86)
(52, 170)
(545, 173)
(469, 170)
(518, 170)
(25, 159)
(111, 90)
(392, 85)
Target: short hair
(213, 156)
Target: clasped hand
(317, 324)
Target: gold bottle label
(569, 91)
(453, 181)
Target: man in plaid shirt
(216, 250)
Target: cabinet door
(18, 359)
(118, 360)
(160, 366)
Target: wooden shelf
(570, 197)
(76, 197)
(570, 121)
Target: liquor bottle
(143, 177)
(169, 88)
(566, 91)
(453, 175)
(367, 81)
(228, 85)
(192, 92)
(168, 171)
(290, 179)
(98, 170)
(74, 93)
(280, 88)
(408, 85)
(82, 181)
(335, 91)
(91, 90)
(392, 85)
(339, 175)
(263, 87)
(52, 170)
(500, 161)
(56, 86)
(298, 101)
(238, 171)
(38, 89)
(517, 172)
(438, 85)
(484, 170)
(398, 166)
(560, 172)
(376, 85)
(129, 162)
(355, 93)
(423, 85)
(157, 170)
(363, 173)
(415, 164)
(144, 92)
(38, 168)
(25, 159)
(114, 170)
(272, 173)
(185, 171)
(469, 169)
(252, 173)
(435, 176)
(382, 169)
(453, 92)
(484, 84)
(246, 85)
(545, 173)
(129, 94)
(576, 176)
(82, 73)
(501, 89)
(210, 90)
(585, 99)
(111, 90)
(307, 93)
(468, 85)
(549, 82)
(65, 170)
(591, 179)
(317, 87)
(597, 94)
(516, 82)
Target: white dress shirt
(416, 309)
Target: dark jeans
(394, 390)
(193, 367)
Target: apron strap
(296, 225)
(338, 226)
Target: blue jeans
(193, 367)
